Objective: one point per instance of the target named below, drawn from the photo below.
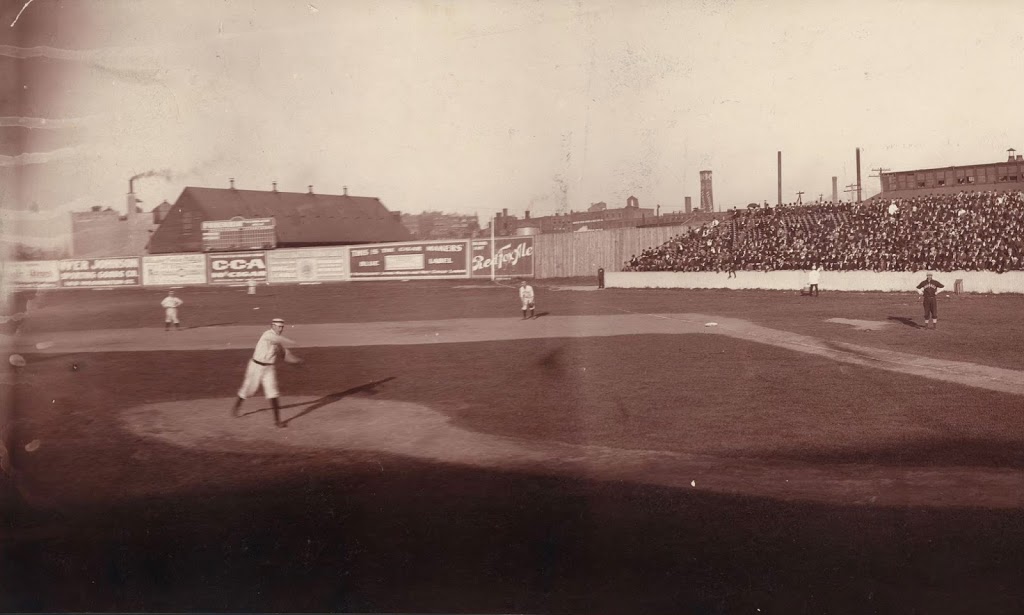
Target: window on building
(186, 223)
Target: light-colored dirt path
(464, 330)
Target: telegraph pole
(800, 198)
(852, 188)
(880, 170)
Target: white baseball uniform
(170, 305)
(260, 371)
(526, 296)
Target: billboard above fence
(239, 234)
(307, 265)
(425, 259)
(174, 270)
(31, 274)
(237, 268)
(99, 272)
(515, 257)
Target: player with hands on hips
(170, 304)
(260, 369)
(929, 289)
(527, 299)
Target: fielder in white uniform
(526, 298)
(260, 370)
(170, 304)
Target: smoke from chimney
(164, 173)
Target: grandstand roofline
(955, 167)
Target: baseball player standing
(526, 298)
(260, 370)
(170, 304)
(929, 289)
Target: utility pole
(800, 198)
(880, 170)
(852, 188)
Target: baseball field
(627, 451)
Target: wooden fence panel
(566, 255)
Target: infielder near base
(526, 298)
(260, 370)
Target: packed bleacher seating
(969, 231)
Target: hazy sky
(475, 106)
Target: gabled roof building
(301, 218)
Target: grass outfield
(119, 520)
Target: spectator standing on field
(929, 289)
(526, 298)
(170, 304)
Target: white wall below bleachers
(973, 281)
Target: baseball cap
(277, 321)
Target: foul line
(862, 359)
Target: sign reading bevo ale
(514, 257)
(100, 272)
(237, 268)
(405, 260)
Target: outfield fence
(866, 281)
(570, 255)
(447, 259)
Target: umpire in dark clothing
(930, 289)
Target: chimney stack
(311, 188)
(275, 186)
(858, 176)
(780, 178)
(344, 190)
(130, 200)
(527, 214)
(232, 180)
(689, 204)
(835, 189)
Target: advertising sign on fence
(307, 265)
(445, 259)
(31, 274)
(100, 272)
(237, 267)
(174, 270)
(514, 257)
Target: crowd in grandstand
(969, 231)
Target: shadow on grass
(907, 321)
(213, 324)
(310, 406)
(508, 542)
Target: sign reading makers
(405, 260)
